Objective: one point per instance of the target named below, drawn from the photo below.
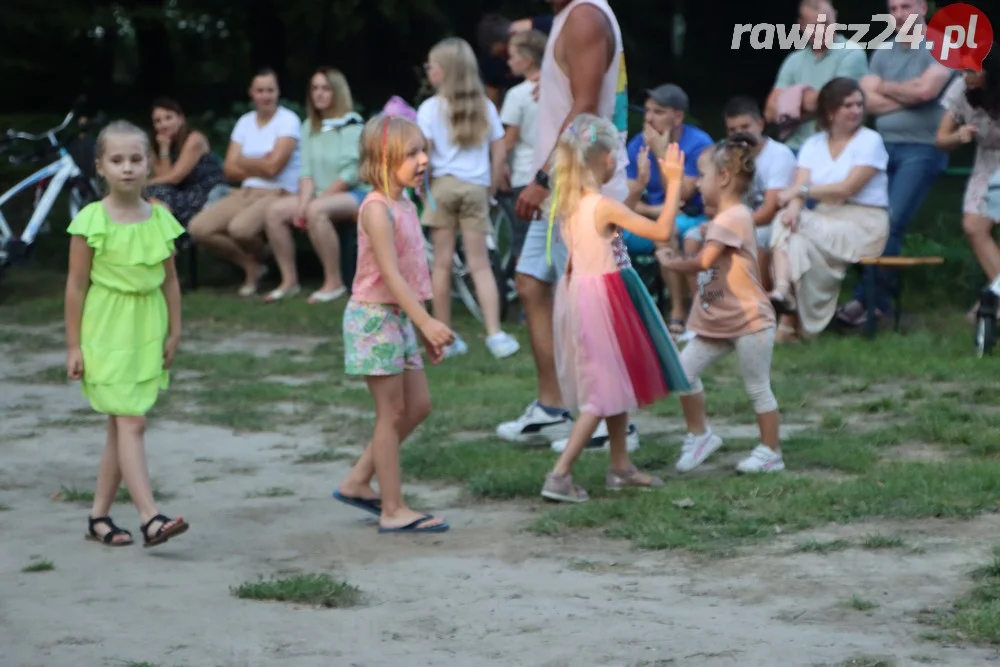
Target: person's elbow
(232, 172)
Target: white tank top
(555, 98)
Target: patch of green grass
(319, 590)
(272, 492)
(860, 604)
(72, 494)
(325, 455)
(877, 542)
(4, 508)
(204, 479)
(975, 617)
(868, 661)
(818, 547)
(39, 566)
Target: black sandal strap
(113, 530)
(164, 520)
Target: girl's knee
(976, 227)
(418, 409)
(762, 399)
(131, 425)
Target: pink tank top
(411, 254)
(555, 98)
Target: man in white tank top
(584, 55)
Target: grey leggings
(754, 354)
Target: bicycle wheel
(503, 242)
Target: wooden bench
(870, 284)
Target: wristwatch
(542, 179)
(804, 191)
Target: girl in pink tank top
(613, 352)
(390, 286)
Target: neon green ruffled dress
(125, 320)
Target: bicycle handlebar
(80, 101)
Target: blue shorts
(637, 245)
(533, 260)
(359, 195)
(685, 224)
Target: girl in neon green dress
(123, 318)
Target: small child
(390, 286)
(613, 351)
(467, 158)
(123, 325)
(731, 310)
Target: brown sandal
(616, 480)
(162, 533)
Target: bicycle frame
(60, 172)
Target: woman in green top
(329, 191)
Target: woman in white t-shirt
(263, 155)
(843, 168)
(518, 115)
(463, 129)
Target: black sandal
(162, 534)
(108, 539)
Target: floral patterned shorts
(379, 340)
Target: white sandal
(279, 294)
(327, 297)
(250, 290)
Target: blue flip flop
(370, 505)
(414, 527)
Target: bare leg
(444, 250)
(358, 483)
(979, 231)
(109, 479)
(782, 271)
(323, 214)
(279, 236)
(477, 260)
(583, 430)
(132, 460)
(769, 423)
(693, 406)
(390, 409)
(617, 431)
(678, 288)
(536, 299)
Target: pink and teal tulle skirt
(613, 351)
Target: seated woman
(843, 168)
(972, 114)
(329, 191)
(184, 170)
(264, 154)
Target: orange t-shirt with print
(730, 301)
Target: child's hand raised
(436, 336)
(642, 166)
(672, 164)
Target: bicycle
(986, 322)
(49, 181)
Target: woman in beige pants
(264, 155)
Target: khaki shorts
(458, 204)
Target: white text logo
(763, 36)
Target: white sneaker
(601, 441)
(696, 449)
(762, 459)
(536, 427)
(502, 345)
(456, 348)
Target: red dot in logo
(959, 36)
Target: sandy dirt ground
(486, 593)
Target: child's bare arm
(172, 293)
(77, 286)
(611, 212)
(704, 260)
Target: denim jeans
(912, 170)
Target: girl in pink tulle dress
(613, 352)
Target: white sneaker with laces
(600, 440)
(762, 459)
(536, 427)
(502, 345)
(696, 449)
